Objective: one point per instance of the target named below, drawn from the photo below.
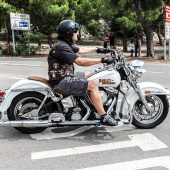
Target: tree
(19, 4)
(149, 15)
(47, 15)
(123, 19)
(87, 14)
(149, 19)
(5, 10)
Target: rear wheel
(160, 109)
(24, 107)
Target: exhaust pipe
(46, 123)
(26, 123)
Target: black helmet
(67, 28)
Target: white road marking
(154, 72)
(93, 68)
(3, 63)
(48, 134)
(30, 65)
(16, 78)
(122, 128)
(163, 161)
(145, 141)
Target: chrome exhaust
(46, 123)
(26, 123)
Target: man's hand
(108, 60)
(103, 50)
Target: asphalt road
(83, 147)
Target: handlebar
(114, 52)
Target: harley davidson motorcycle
(32, 104)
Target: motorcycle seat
(35, 78)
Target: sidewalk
(157, 50)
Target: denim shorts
(76, 85)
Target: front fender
(146, 88)
(19, 87)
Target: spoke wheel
(159, 110)
(24, 107)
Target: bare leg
(95, 97)
(97, 101)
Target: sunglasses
(76, 28)
(76, 31)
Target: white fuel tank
(106, 78)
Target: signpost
(167, 28)
(19, 22)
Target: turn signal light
(147, 91)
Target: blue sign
(23, 24)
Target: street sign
(167, 13)
(167, 30)
(20, 21)
(24, 24)
(167, 21)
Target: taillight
(2, 93)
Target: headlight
(136, 69)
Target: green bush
(23, 44)
(82, 42)
(160, 57)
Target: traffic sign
(167, 21)
(23, 24)
(20, 21)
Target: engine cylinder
(103, 96)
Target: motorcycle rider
(61, 69)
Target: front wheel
(160, 108)
(24, 107)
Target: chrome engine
(103, 96)
(68, 104)
(76, 115)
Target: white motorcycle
(32, 104)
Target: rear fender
(19, 87)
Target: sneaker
(110, 121)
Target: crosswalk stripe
(48, 134)
(145, 141)
(163, 161)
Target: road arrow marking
(145, 141)
(48, 134)
(163, 161)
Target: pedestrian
(139, 45)
(132, 47)
(137, 40)
(106, 41)
(111, 40)
(61, 73)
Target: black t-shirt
(65, 53)
(62, 54)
